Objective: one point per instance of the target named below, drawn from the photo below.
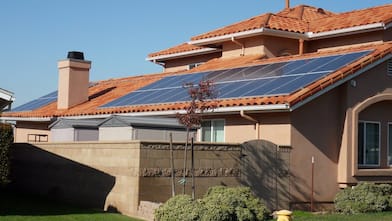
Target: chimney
(73, 80)
(287, 4)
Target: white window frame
(212, 131)
(389, 145)
(379, 143)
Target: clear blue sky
(116, 35)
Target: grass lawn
(18, 207)
(305, 216)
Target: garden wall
(118, 175)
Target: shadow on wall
(36, 171)
(265, 168)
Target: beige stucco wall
(370, 89)
(115, 133)
(272, 127)
(324, 129)
(65, 169)
(180, 64)
(23, 129)
(345, 41)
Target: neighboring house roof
(104, 92)
(76, 123)
(6, 98)
(154, 122)
(307, 21)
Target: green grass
(306, 216)
(19, 207)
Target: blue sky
(115, 35)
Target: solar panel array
(37, 103)
(261, 80)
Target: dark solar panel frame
(259, 80)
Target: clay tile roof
(353, 18)
(176, 49)
(305, 13)
(105, 91)
(301, 19)
(249, 24)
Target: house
(316, 82)
(116, 128)
(6, 99)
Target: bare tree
(202, 99)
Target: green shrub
(219, 204)
(180, 207)
(6, 139)
(232, 203)
(364, 198)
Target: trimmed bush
(180, 207)
(364, 198)
(6, 139)
(219, 204)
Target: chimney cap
(75, 55)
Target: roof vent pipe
(75, 55)
(287, 3)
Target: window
(212, 130)
(369, 143)
(191, 66)
(390, 144)
(389, 67)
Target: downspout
(257, 123)
(240, 44)
(301, 46)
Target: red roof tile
(353, 18)
(299, 19)
(108, 90)
(176, 49)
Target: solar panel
(37, 103)
(259, 80)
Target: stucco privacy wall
(96, 174)
(117, 175)
(215, 164)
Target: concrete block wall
(119, 175)
(95, 174)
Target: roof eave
(291, 34)
(220, 110)
(338, 83)
(348, 31)
(202, 51)
(34, 119)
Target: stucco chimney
(73, 80)
(287, 3)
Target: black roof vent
(75, 55)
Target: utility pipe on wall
(257, 123)
(301, 46)
(240, 44)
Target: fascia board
(183, 54)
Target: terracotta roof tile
(353, 18)
(108, 90)
(176, 49)
(299, 19)
(305, 13)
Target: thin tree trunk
(193, 169)
(173, 185)
(185, 161)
